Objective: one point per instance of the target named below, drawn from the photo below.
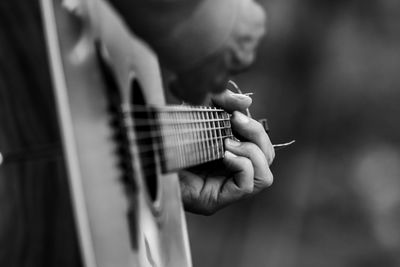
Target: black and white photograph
(199, 133)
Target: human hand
(237, 53)
(243, 172)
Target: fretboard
(190, 136)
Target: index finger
(253, 131)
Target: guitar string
(149, 163)
(162, 121)
(153, 134)
(216, 152)
(173, 122)
(175, 111)
(168, 108)
(174, 163)
(163, 145)
(196, 123)
(196, 120)
(209, 134)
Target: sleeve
(182, 32)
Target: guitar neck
(189, 136)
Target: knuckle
(269, 179)
(258, 133)
(259, 128)
(247, 190)
(265, 180)
(270, 156)
(250, 148)
(247, 165)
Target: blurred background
(327, 75)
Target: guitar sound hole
(144, 143)
(146, 146)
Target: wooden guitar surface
(122, 219)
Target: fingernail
(231, 142)
(229, 154)
(241, 96)
(248, 94)
(240, 117)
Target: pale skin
(244, 171)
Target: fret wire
(220, 125)
(223, 132)
(216, 135)
(186, 148)
(181, 152)
(176, 127)
(205, 133)
(176, 148)
(194, 137)
(203, 150)
(199, 126)
(206, 143)
(173, 140)
(212, 133)
(155, 122)
(185, 137)
(179, 139)
(198, 137)
(200, 134)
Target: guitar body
(127, 214)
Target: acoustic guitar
(122, 144)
